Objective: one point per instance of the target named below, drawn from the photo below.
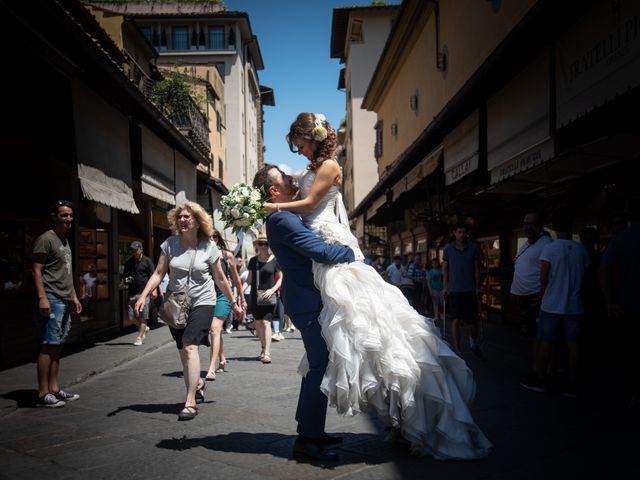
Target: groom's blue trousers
(312, 403)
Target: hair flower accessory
(243, 207)
(319, 132)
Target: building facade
(486, 110)
(358, 35)
(218, 47)
(80, 127)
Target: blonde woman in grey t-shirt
(193, 228)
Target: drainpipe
(441, 59)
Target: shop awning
(186, 183)
(518, 124)
(99, 187)
(587, 159)
(102, 149)
(156, 189)
(423, 169)
(461, 148)
(157, 179)
(598, 58)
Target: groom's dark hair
(263, 178)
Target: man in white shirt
(526, 287)
(395, 271)
(563, 263)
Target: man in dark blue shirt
(461, 268)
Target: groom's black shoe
(309, 449)
(327, 439)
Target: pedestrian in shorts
(57, 302)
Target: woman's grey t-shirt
(201, 286)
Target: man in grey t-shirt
(461, 270)
(57, 301)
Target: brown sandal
(222, 367)
(189, 412)
(200, 391)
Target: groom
(295, 246)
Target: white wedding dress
(382, 353)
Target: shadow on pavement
(355, 449)
(165, 408)
(23, 398)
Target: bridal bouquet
(243, 207)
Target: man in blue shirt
(461, 268)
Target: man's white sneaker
(146, 330)
(66, 396)
(138, 342)
(50, 401)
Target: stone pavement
(125, 423)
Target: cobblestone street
(125, 423)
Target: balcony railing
(194, 125)
(191, 122)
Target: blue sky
(294, 38)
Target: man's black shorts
(463, 306)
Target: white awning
(99, 187)
(157, 179)
(518, 124)
(186, 184)
(102, 149)
(461, 149)
(156, 189)
(598, 58)
(423, 169)
(375, 205)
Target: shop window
(93, 283)
(16, 246)
(490, 259)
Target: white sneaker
(275, 337)
(228, 330)
(282, 337)
(146, 330)
(50, 401)
(138, 342)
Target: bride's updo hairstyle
(314, 126)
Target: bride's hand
(270, 208)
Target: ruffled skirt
(383, 354)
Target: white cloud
(289, 170)
(285, 168)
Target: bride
(382, 353)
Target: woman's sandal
(222, 367)
(200, 392)
(266, 358)
(189, 412)
(211, 376)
